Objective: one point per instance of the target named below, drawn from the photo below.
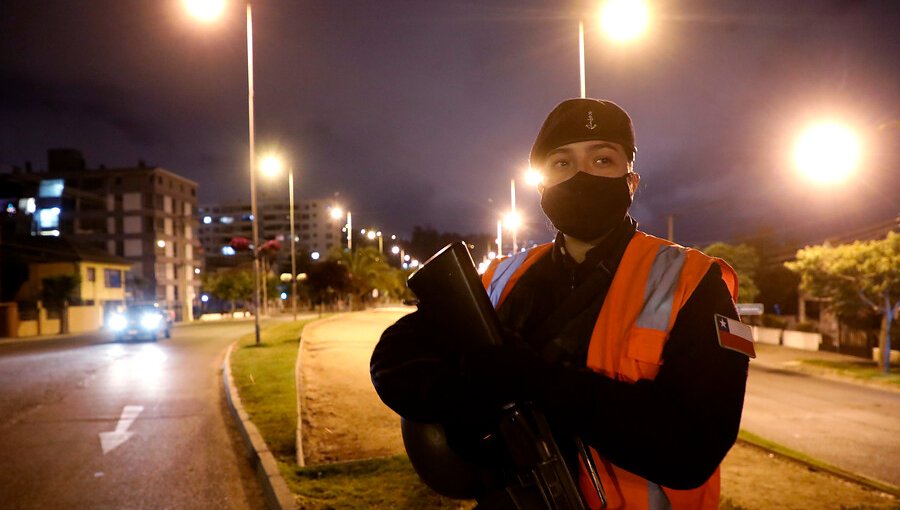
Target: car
(140, 321)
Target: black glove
(507, 373)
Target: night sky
(420, 112)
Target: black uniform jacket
(673, 430)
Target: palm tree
(368, 270)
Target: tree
(777, 288)
(368, 270)
(13, 274)
(861, 275)
(745, 261)
(327, 278)
(230, 285)
(56, 294)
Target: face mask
(587, 206)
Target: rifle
(449, 288)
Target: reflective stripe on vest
(660, 288)
(504, 272)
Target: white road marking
(109, 441)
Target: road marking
(109, 441)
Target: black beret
(578, 120)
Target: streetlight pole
(623, 20)
(581, 55)
(349, 231)
(515, 228)
(253, 209)
(293, 245)
(499, 238)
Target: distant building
(144, 214)
(315, 231)
(101, 288)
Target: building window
(112, 278)
(51, 188)
(91, 274)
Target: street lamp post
(372, 235)
(581, 56)
(336, 214)
(272, 165)
(209, 10)
(622, 20)
(293, 245)
(396, 250)
(512, 201)
(253, 208)
(349, 231)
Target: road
(89, 423)
(850, 426)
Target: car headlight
(116, 322)
(150, 321)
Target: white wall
(132, 224)
(133, 247)
(131, 201)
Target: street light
(513, 218)
(624, 20)
(533, 177)
(396, 250)
(827, 153)
(207, 10)
(621, 20)
(375, 234)
(271, 166)
(338, 213)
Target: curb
(786, 453)
(278, 495)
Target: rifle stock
(450, 291)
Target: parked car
(140, 321)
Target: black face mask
(587, 206)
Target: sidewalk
(342, 417)
(786, 358)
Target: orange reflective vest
(652, 283)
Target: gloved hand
(507, 373)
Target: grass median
(264, 376)
(863, 369)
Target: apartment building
(144, 214)
(316, 233)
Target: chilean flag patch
(735, 335)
